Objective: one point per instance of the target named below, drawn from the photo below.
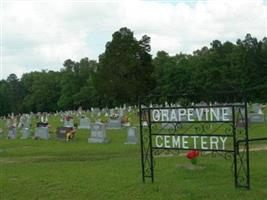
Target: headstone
(95, 110)
(256, 108)
(25, 133)
(12, 132)
(68, 123)
(41, 133)
(132, 136)
(84, 123)
(44, 119)
(62, 132)
(114, 123)
(257, 118)
(27, 123)
(130, 109)
(98, 133)
(103, 111)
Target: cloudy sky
(41, 34)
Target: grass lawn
(39, 169)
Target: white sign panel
(191, 142)
(191, 114)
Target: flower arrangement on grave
(192, 156)
(124, 119)
(114, 116)
(68, 118)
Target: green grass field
(40, 169)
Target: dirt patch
(261, 148)
(7, 161)
(26, 159)
(189, 166)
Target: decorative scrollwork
(236, 128)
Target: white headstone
(132, 137)
(98, 133)
(25, 133)
(42, 133)
(114, 123)
(12, 132)
(68, 123)
(84, 123)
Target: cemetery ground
(57, 169)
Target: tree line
(126, 71)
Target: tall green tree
(77, 86)
(125, 68)
(15, 93)
(43, 90)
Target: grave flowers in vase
(114, 116)
(124, 120)
(68, 118)
(192, 156)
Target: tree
(43, 90)
(5, 104)
(125, 69)
(77, 87)
(15, 93)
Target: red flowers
(68, 118)
(192, 154)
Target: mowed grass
(40, 169)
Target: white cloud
(42, 34)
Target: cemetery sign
(214, 128)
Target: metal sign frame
(237, 129)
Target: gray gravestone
(84, 123)
(114, 123)
(257, 118)
(95, 111)
(42, 133)
(12, 133)
(132, 137)
(98, 133)
(25, 133)
(68, 123)
(27, 123)
(62, 132)
(256, 108)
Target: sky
(42, 34)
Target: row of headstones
(98, 134)
(40, 132)
(119, 111)
(86, 124)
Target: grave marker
(98, 133)
(132, 136)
